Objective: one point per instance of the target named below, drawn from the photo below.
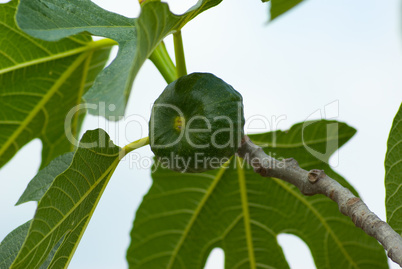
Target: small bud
(315, 175)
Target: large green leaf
(66, 208)
(137, 38)
(184, 216)
(278, 7)
(393, 174)
(40, 82)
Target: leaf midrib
(197, 212)
(25, 36)
(112, 167)
(320, 218)
(93, 45)
(246, 213)
(298, 144)
(40, 105)
(83, 197)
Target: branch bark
(317, 182)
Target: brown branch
(317, 182)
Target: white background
(343, 53)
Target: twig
(317, 182)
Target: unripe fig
(196, 123)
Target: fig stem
(135, 145)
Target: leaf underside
(184, 216)
(40, 82)
(393, 174)
(66, 208)
(137, 38)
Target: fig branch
(317, 182)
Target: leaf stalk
(135, 145)
(179, 54)
(161, 59)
